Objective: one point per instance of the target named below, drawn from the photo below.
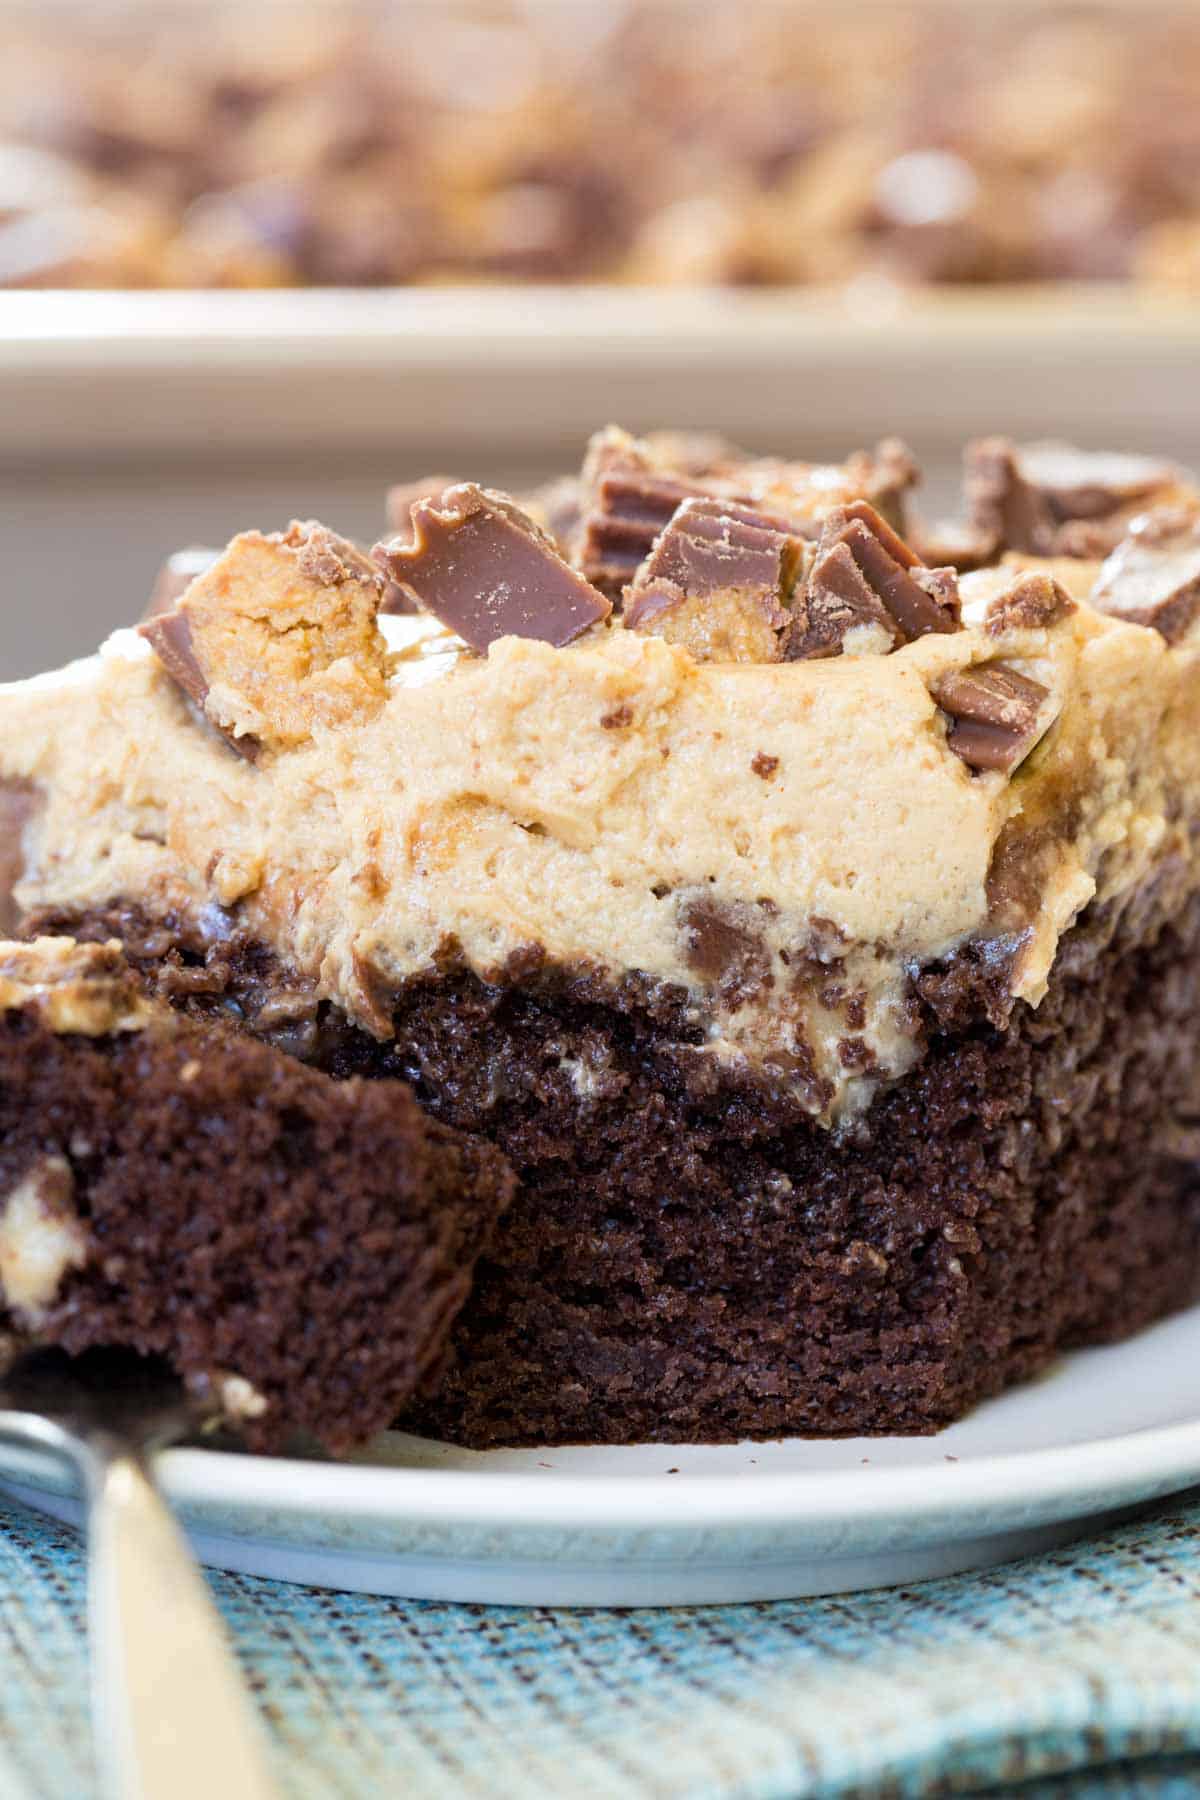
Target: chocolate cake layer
(691, 1258)
(685, 1266)
(296, 1247)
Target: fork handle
(173, 1721)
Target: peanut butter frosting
(788, 843)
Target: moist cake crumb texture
(296, 1247)
(802, 897)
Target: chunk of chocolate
(1055, 500)
(177, 575)
(1031, 603)
(996, 715)
(487, 571)
(866, 581)
(836, 602)
(953, 543)
(630, 489)
(723, 944)
(400, 502)
(402, 498)
(1153, 575)
(625, 503)
(276, 637)
(718, 581)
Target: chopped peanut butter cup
(626, 502)
(866, 590)
(717, 582)
(996, 715)
(630, 489)
(1055, 500)
(276, 637)
(402, 498)
(487, 571)
(1033, 602)
(1153, 575)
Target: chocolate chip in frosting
(718, 581)
(1056, 500)
(724, 946)
(400, 502)
(996, 714)
(865, 580)
(1153, 575)
(487, 571)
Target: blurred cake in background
(794, 142)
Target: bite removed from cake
(297, 1248)
(814, 926)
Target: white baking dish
(134, 423)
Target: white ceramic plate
(676, 1525)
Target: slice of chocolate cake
(296, 1247)
(819, 935)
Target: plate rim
(197, 1476)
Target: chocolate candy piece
(952, 543)
(482, 567)
(402, 498)
(717, 581)
(626, 502)
(276, 637)
(1032, 603)
(400, 502)
(631, 490)
(171, 635)
(1058, 501)
(996, 715)
(177, 575)
(865, 578)
(1153, 575)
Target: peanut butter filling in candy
(275, 634)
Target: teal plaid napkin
(1076, 1673)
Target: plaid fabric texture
(1074, 1674)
